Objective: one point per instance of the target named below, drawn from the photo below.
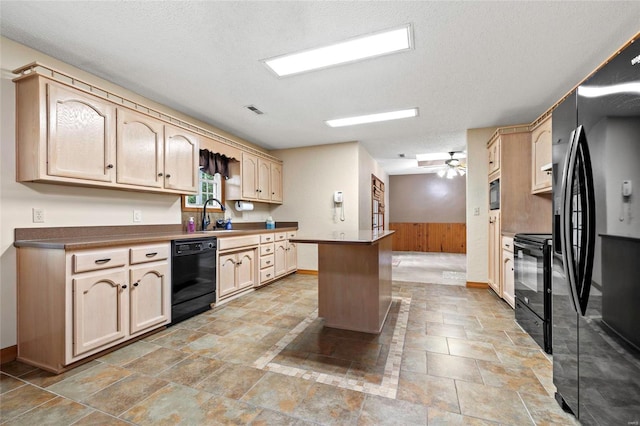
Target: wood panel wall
(430, 237)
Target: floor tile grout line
(63, 397)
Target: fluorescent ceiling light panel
(356, 49)
(373, 118)
(440, 156)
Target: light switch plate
(137, 215)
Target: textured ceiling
(475, 64)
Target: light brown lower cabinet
(237, 271)
(508, 279)
(495, 252)
(88, 300)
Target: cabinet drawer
(266, 238)
(267, 274)
(266, 261)
(291, 234)
(507, 243)
(266, 249)
(281, 236)
(237, 242)
(151, 253)
(94, 260)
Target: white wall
(367, 167)
(311, 176)
(477, 197)
(64, 205)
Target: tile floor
(447, 355)
(432, 268)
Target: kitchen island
(354, 278)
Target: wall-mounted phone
(338, 201)
(627, 190)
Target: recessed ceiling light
(355, 49)
(372, 118)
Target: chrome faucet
(205, 218)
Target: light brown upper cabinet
(541, 157)
(264, 180)
(66, 135)
(255, 179)
(493, 151)
(140, 150)
(79, 128)
(181, 154)
(276, 182)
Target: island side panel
(385, 278)
(349, 287)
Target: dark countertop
(78, 238)
(342, 237)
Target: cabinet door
(541, 156)
(181, 159)
(140, 151)
(149, 297)
(494, 156)
(264, 180)
(508, 278)
(494, 252)
(292, 256)
(81, 135)
(226, 274)
(246, 269)
(276, 182)
(99, 310)
(249, 176)
(280, 258)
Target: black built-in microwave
(494, 195)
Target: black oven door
(529, 274)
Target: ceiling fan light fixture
(442, 172)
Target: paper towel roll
(244, 206)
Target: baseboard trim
(472, 284)
(307, 272)
(8, 354)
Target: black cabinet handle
(136, 283)
(124, 287)
(160, 174)
(151, 254)
(168, 176)
(109, 166)
(102, 261)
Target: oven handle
(536, 249)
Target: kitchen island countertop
(341, 237)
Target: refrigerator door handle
(578, 220)
(565, 219)
(588, 220)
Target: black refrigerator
(596, 245)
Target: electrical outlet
(137, 215)
(38, 215)
(476, 211)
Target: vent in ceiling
(254, 109)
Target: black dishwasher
(193, 277)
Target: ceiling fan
(449, 168)
(453, 167)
